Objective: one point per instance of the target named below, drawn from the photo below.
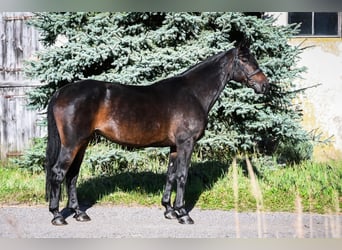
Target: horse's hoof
(185, 219)
(59, 221)
(82, 217)
(171, 214)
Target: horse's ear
(244, 43)
(243, 47)
(238, 36)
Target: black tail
(53, 147)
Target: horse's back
(84, 88)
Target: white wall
(323, 104)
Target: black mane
(210, 60)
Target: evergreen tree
(141, 48)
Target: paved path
(149, 222)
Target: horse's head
(246, 70)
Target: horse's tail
(53, 147)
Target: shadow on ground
(202, 176)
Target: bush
(33, 159)
(106, 158)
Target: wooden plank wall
(18, 124)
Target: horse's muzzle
(261, 88)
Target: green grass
(21, 187)
(210, 186)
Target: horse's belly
(137, 135)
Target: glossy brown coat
(169, 113)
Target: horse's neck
(209, 85)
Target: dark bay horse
(169, 113)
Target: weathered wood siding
(18, 124)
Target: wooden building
(18, 124)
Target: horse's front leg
(170, 178)
(184, 157)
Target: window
(317, 23)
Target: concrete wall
(323, 104)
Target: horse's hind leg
(59, 170)
(170, 178)
(71, 180)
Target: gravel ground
(149, 222)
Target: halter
(237, 64)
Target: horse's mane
(210, 60)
